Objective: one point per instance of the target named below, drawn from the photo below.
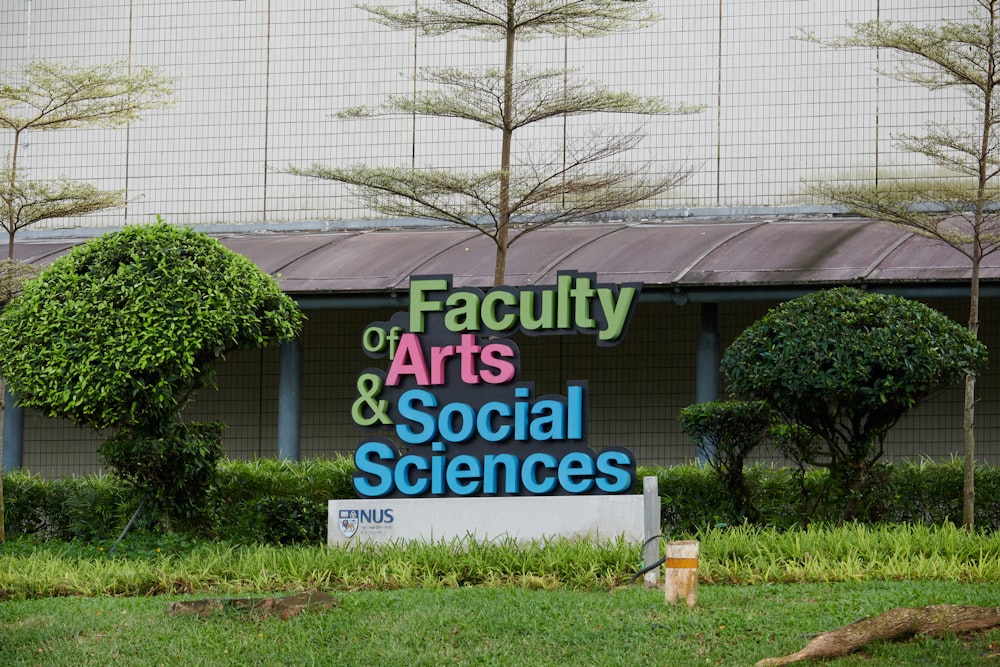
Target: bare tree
(960, 209)
(531, 188)
(46, 96)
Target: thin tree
(13, 275)
(45, 96)
(959, 209)
(531, 191)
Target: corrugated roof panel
(42, 251)
(282, 250)
(471, 260)
(655, 254)
(923, 259)
(377, 260)
(729, 253)
(535, 258)
(789, 252)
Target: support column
(708, 360)
(13, 434)
(289, 400)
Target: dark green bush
(687, 492)
(70, 508)
(121, 332)
(694, 498)
(846, 365)
(732, 430)
(124, 329)
(264, 501)
(274, 502)
(171, 473)
(279, 502)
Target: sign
(449, 416)
(525, 519)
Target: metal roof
(718, 258)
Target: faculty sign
(448, 416)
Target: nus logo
(349, 521)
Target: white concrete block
(523, 518)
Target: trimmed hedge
(87, 508)
(263, 501)
(923, 492)
(277, 502)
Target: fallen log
(899, 623)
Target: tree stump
(899, 623)
(681, 579)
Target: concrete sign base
(522, 518)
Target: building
(704, 281)
(257, 82)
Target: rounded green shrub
(846, 365)
(126, 327)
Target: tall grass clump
(45, 570)
(852, 552)
(735, 555)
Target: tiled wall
(258, 82)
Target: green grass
(731, 625)
(733, 556)
(763, 592)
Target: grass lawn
(731, 625)
(763, 593)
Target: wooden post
(681, 580)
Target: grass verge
(734, 556)
(730, 626)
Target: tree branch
(899, 623)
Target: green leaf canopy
(848, 363)
(122, 330)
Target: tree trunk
(987, 159)
(3, 412)
(856, 485)
(969, 412)
(899, 623)
(969, 458)
(506, 141)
